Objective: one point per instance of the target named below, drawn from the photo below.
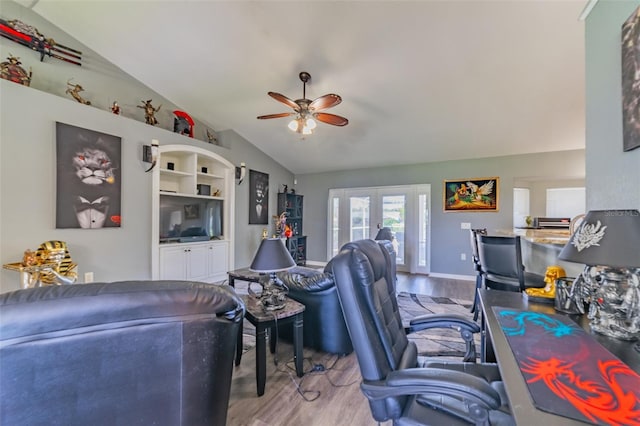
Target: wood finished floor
(329, 398)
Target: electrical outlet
(463, 256)
(88, 277)
(465, 225)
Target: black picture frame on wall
(88, 178)
(631, 81)
(258, 198)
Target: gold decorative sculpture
(65, 271)
(149, 112)
(74, 90)
(549, 291)
(50, 264)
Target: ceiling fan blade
(333, 119)
(282, 98)
(279, 115)
(326, 101)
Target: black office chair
(473, 233)
(398, 386)
(502, 267)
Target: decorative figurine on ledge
(12, 71)
(183, 123)
(149, 112)
(211, 137)
(74, 90)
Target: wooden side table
(244, 274)
(265, 320)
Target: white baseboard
(453, 276)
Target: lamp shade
(606, 238)
(272, 256)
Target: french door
(359, 213)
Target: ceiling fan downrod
(305, 77)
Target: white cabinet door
(198, 262)
(172, 263)
(218, 261)
(207, 262)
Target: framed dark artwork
(471, 195)
(88, 179)
(258, 198)
(631, 81)
(192, 211)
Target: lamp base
(274, 294)
(615, 304)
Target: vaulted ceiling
(420, 81)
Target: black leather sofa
(324, 328)
(124, 353)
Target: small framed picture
(258, 198)
(192, 211)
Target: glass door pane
(393, 216)
(423, 228)
(335, 225)
(359, 217)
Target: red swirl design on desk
(609, 404)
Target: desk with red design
(496, 348)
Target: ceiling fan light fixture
(302, 125)
(307, 112)
(311, 124)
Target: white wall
(447, 239)
(27, 186)
(613, 176)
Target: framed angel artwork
(471, 195)
(88, 178)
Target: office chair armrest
(457, 322)
(436, 381)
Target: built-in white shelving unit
(194, 239)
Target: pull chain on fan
(306, 110)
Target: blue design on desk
(549, 324)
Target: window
(566, 202)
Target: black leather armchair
(125, 353)
(324, 327)
(398, 386)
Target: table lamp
(608, 243)
(272, 256)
